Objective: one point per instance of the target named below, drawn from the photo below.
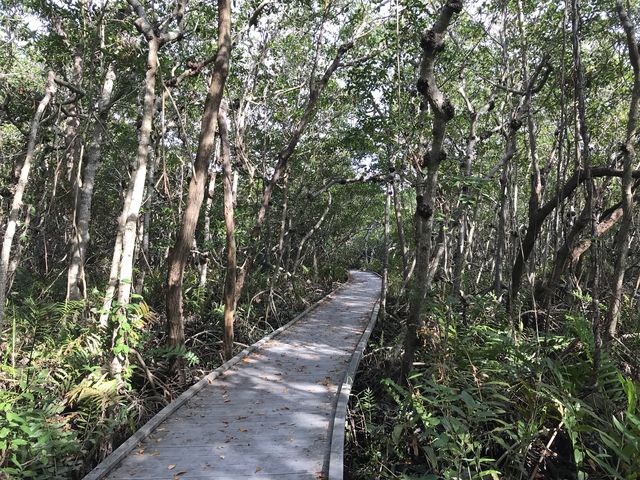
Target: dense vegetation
(179, 178)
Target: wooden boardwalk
(270, 412)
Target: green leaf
(467, 399)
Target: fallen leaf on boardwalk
(242, 417)
(177, 475)
(141, 451)
(285, 390)
(221, 457)
(243, 429)
(257, 469)
(155, 454)
(171, 467)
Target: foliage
(491, 407)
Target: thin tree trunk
(461, 248)
(138, 179)
(629, 154)
(179, 254)
(204, 261)
(72, 141)
(309, 234)
(502, 212)
(17, 256)
(121, 275)
(385, 263)
(397, 209)
(16, 204)
(76, 286)
(280, 264)
(431, 42)
(230, 279)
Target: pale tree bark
(629, 155)
(17, 256)
(470, 156)
(204, 260)
(179, 254)
(72, 140)
(432, 42)
(18, 196)
(143, 240)
(402, 242)
(280, 264)
(122, 261)
(500, 247)
(385, 263)
(76, 284)
(229, 222)
(121, 275)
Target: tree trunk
(385, 263)
(308, 235)
(629, 155)
(123, 253)
(76, 286)
(204, 260)
(130, 215)
(72, 141)
(16, 204)
(431, 42)
(230, 279)
(179, 254)
(397, 209)
(502, 213)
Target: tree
(23, 178)
(180, 252)
(431, 42)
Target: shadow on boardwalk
(271, 414)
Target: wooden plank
(336, 452)
(270, 411)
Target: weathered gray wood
(336, 453)
(270, 413)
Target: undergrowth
(73, 389)
(483, 403)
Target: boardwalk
(271, 415)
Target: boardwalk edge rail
(336, 452)
(113, 459)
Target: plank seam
(113, 459)
(336, 448)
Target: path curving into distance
(276, 410)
